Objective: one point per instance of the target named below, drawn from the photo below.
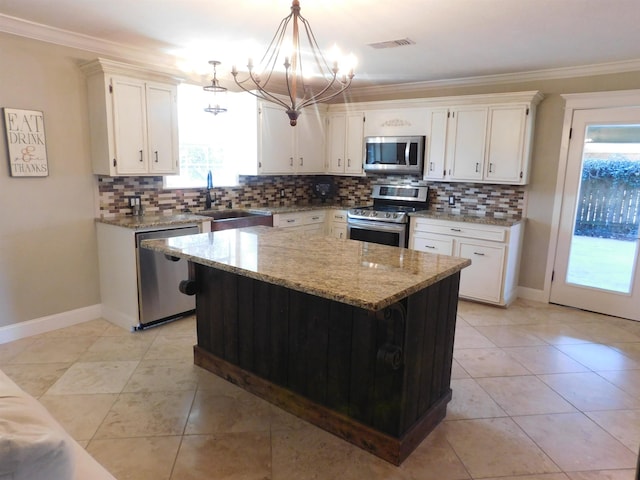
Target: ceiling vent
(393, 43)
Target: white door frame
(573, 102)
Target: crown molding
(167, 63)
(45, 33)
(376, 91)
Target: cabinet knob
(156, 154)
(291, 161)
(477, 167)
(141, 155)
(480, 254)
(339, 161)
(301, 161)
(348, 162)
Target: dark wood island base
(378, 379)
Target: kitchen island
(354, 337)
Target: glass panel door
(597, 257)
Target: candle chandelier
(300, 92)
(215, 88)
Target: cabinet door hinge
(110, 88)
(521, 174)
(553, 274)
(115, 162)
(527, 113)
(570, 132)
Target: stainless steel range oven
(387, 221)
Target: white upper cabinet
(466, 143)
(506, 157)
(133, 120)
(285, 149)
(394, 122)
(345, 140)
(162, 128)
(436, 145)
(482, 143)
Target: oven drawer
(432, 244)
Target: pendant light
(215, 88)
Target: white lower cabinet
(483, 279)
(337, 223)
(306, 221)
(494, 251)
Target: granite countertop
(302, 208)
(149, 221)
(364, 275)
(452, 217)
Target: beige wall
(48, 259)
(48, 256)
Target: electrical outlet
(452, 200)
(282, 194)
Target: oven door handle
(379, 226)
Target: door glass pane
(604, 244)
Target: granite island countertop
(365, 275)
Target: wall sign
(26, 142)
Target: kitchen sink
(236, 218)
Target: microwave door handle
(407, 150)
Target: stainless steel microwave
(394, 154)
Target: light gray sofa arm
(33, 445)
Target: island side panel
(431, 320)
(340, 337)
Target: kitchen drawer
(297, 219)
(433, 244)
(339, 216)
(465, 230)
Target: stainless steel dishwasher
(159, 277)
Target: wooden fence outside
(608, 208)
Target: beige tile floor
(540, 392)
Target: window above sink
(210, 142)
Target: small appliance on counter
(324, 188)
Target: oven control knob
(387, 215)
(395, 215)
(374, 214)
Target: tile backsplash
(498, 201)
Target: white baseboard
(119, 318)
(533, 294)
(16, 331)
